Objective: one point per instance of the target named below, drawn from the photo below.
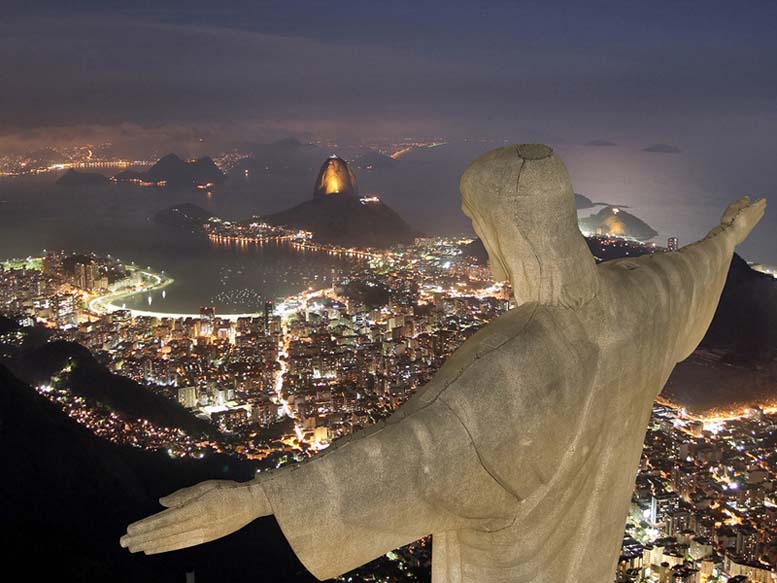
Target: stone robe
(520, 456)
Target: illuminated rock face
(335, 177)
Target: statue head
(522, 207)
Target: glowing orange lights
(335, 177)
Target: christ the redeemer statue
(520, 455)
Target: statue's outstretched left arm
(382, 488)
(693, 278)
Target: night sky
(698, 76)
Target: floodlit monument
(520, 456)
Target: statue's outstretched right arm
(382, 488)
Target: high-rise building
(64, 311)
(51, 262)
(87, 275)
(662, 506)
(268, 312)
(672, 244)
(187, 396)
(207, 320)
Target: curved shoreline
(107, 303)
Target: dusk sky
(700, 77)
(586, 70)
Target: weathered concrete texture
(520, 455)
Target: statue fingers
(733, 209)
(753, 214)
(135, 540)
(193, 532)
(171, 547)
(171, 543)
(166, 518)
(184, 495)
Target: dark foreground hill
(88, 378)
(346, 220)
(68, 496)
(745, 322)
(736, 364)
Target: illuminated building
(87, 275)
(672, 244)
(756, 572)
(268, 310)
(207, 318)
(335, 177)
(187, 396)
(231, 419)
(64, 311)
(121, 317)
(662, 506)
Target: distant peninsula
(337, 214)
(76, 178)
(185, 215)
(174, 172)
(615, 221)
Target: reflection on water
(238, 279)
(117, 220)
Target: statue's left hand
(742, 216)
(197, 515)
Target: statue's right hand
(742, 216)
(198, 514)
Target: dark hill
(175, 172)
(129, 176)
(345, 220)
(7, 325)
(93, 381)
(76, 178)
(583, 202)
(745, 322)
(68, 497)
(372, 159)
(736, 363)
(185, 216)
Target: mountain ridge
(170, 170)
(346, 220)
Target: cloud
(352, 71)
